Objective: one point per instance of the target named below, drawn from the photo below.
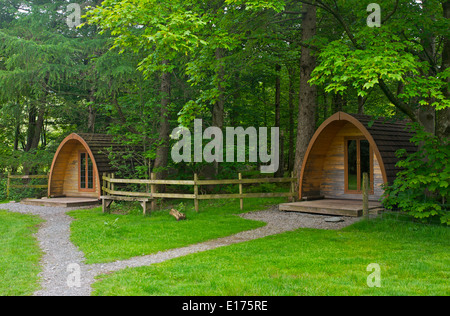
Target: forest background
(137, 69)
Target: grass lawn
(111, 237)
(414, 260)
(19, 254)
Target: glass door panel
(352, 166)
(358, 161)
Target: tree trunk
(339, 102)
(31, 126)
(38, 129)
(291, 119)
(162, 152)
(280, 171)
(361, 103)
(308, 93)
(277, 95)
(427, 114)
(218, 110)
(443, 116)
(34, 127)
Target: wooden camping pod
(78, 164)
(324, 171)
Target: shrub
(422, 187)
(2, 188)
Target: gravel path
(66, 274)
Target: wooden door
(86, 176)
(358, 160)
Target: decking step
(62, 202)
(352, 208)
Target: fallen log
(178, 215)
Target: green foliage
(422, 187)
(104, 77)
(19, 254)
(275, 5)
(38, 161)
(159, 31)
(18, 194)
(47, 75)
(384, 56)
(3, 183)
(396, 55)
(110, 237)
(413, 258)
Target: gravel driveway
(66, 274)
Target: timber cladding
(325, 165)
(78, 164)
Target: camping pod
(79, 163)
(343, 148)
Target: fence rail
(109, 182)
(10, 186)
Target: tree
(400, 57)
(159, 34)
(443, 115)
(35, 61)
(308, 94)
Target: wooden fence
(10, 186)
(109, 182)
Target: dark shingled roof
(99, 144)
(389, 136)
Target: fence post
(112, 184)
(152, 191)
(365, 194)
(195, 192)
(108, 182)
(8, 183)
(292, 189)
(240, 192)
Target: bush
(2, 188)
(17, 194)
(422, 187)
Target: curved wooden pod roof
(385, 137)
(96, 146)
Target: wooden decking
(329, 207)
(62, 202)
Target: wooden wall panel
(71, 185)
(332, 184)
(377, 179)
(59, 169)
(64, 179)
(313, 168)
(71, 174)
